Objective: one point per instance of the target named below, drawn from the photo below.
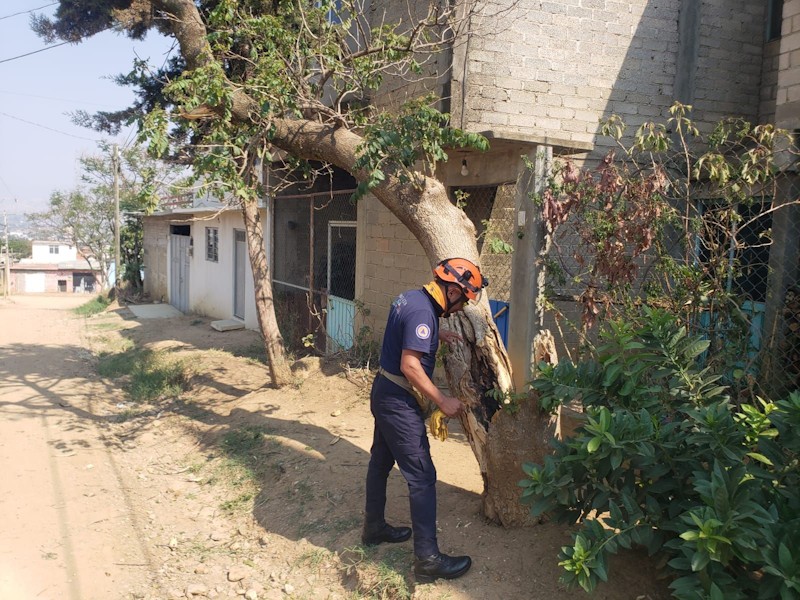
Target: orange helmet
(464, 273)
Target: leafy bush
(665, 460)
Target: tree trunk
(279, 368)
(478, 371)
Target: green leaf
(696, 348)
(785, 558)
(760, 458)
(715, 593)
(699, 561)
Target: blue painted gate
(500, 311)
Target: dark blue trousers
(400, 437)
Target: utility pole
(7, 266)
(117, 265)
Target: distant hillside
(18, 226)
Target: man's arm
(411, 367)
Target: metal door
(34, 282)
(179, 246)
(341, 316)
(239, 270)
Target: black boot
(374, 534)
(440, 566)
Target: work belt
(424, 403)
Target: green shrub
(666, 461)
(94, 306)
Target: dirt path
(69, 530)
(230, 489)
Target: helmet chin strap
(441, 297)
(448, 304)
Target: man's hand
(449, 337)
(411, 367)
(450, 406)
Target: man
(408, 356)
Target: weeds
(380, 579)
(94, 306)
(315, 558)
(107, 326)
(150, 375)
(237, 504)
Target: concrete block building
(536, 77)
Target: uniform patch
(423, 331)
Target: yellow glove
(438, 425)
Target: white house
(55, 266)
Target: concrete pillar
(688, 47)
(526, 312)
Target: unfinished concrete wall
(156, 259)
(557, 68)
(435, 76)
(390, 260)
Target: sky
(39, 144)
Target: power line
(48, 128)
(55, 99)
(34, 52)
(24, 12)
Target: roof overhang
(502, 139)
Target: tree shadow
(309, 479)
(310, 484)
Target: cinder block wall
(390, 260)
(787, 112)
(769, 82)
(556, 68)
(435, 75)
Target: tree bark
(279, 368)
(477, 371)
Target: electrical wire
(34, 52)
(82, 102)
(30, 10)
(48, 128)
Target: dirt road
(69, 531)
(228, 489)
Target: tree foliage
(673, 219)
(85, 216)
(666, 461)
(682, 450)
(19, 247)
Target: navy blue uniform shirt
(413, 324)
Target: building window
(334, 10)
(212, 244)
(53, 249)
(774, 19)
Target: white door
(34, 282)
(341, 315)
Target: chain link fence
(492, 210)
(741, 263)
(314, 269)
